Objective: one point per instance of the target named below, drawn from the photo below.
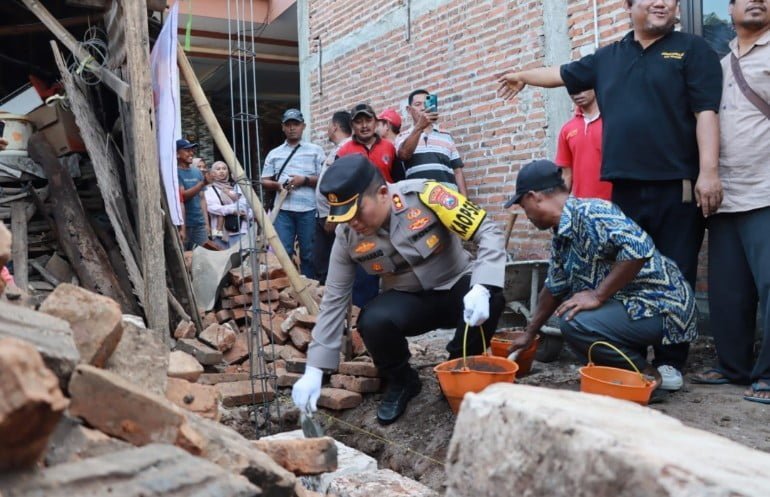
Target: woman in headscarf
(223, 198)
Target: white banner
(168, 115)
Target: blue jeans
(196, 235)
(301, 226)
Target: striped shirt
(306, 161)
(435, 157)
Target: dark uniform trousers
(387, 320)
(675, 223)
(739, 278)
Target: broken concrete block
(338, 399)
(31, 404)
(239, 393)
(60, 268)
(285, 379)
(195, 397)
(214, 378)
(306, 320)
(300, 337)
(287, 300)
(51, 336)
(185, 329)
(273, 352)
(200, 351)
(239, 352)
(95, 320)
(142, 358)
(569, 443)
(359, 368)
(380, 482)
(118, 408)
(152, 471)
(230, 450)
(71, 442)
(183, 365)
(296, 365)
(355, 383)
(310, 456)
(221, 337)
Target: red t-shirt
(382, 154)
(580, 148)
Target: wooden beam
(236, 170)
(216, 35)
(19, 244)
(105, 168)
(37, 27)
(145, 155)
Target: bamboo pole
(236, 170)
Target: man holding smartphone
(427, 151)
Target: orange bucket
(615, 382)
(502, 340)
(472, 374)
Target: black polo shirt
(648, 98)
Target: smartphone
(431, 103)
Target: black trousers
(739, 279)
(676, 226)
(393, 315)
(322, 249)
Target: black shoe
(397, 396)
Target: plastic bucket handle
(465, 343)
(609, 345)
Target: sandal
(759, 386)
(712, 376)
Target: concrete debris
(72, 442)
(183, 365)
(203, 400)
(380, 482)
(202, 352)
(141, 357)
(220, 337)
(310, 456)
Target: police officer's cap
(344, 183)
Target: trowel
(310, 427)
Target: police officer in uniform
(410, 234)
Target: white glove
(476, 303)
(307, 389)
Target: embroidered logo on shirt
(431, 241)
(386, 159)
(413, 214)
(364, 247)
(441, 196)
(419, 224)
(398, 203)
(572, 133)
(673, 55)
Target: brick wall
(456, 49)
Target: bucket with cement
(615, 382)
(472, 374)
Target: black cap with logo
(292, 115)
(365, 109)
(343, 183)
(534, 177)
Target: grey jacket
(419, 249)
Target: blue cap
(180, 144)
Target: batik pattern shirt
(591, 237)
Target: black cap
(343, 183)
(180, 144)
(534, 177)
(292, 115)
(363, 109)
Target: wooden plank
(19, 244)
(108, 77)
(145, 154)
(105, 165)
(236, 170)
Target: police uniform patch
(413, 214)
(431, 241)
(398, 204)
(419, 224)
(439, 195)
(454, 211)
(377, 267)
(364, 247)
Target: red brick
(185, 329)
(303, 456)
(224, 315)
(272, 326)
(239, 393)
(200, 399)
(338, 399)
(214, 378)
(300, 337)
(359, 368)
(220, 336)
(239, 352)
(355, 383)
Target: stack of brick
(83, 389)
(218, 356)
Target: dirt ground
(416, 445)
